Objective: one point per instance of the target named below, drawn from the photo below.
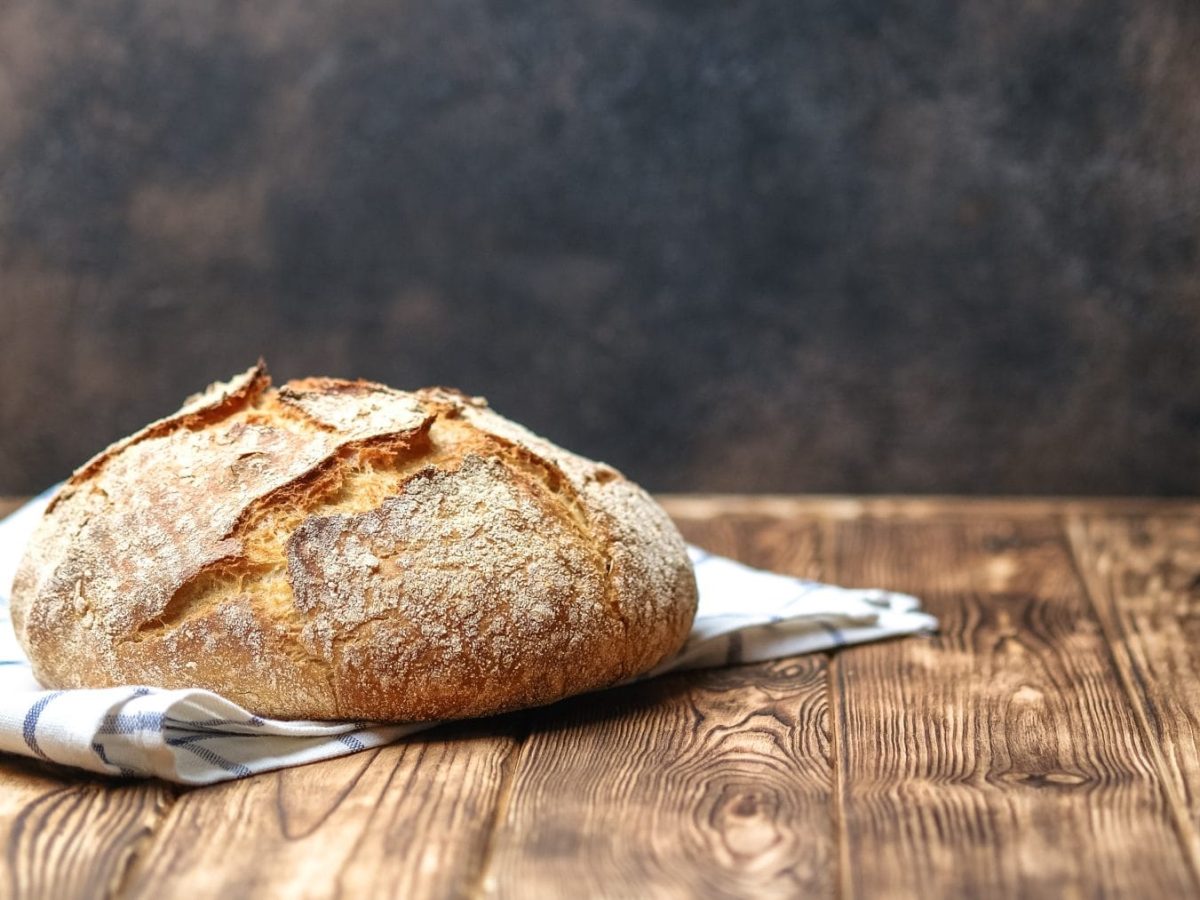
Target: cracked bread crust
(341, 550)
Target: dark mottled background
(826, 245)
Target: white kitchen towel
(198, 737)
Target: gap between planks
(836, 695)
(508, 777)
(835, 698)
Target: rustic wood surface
(1043, 744)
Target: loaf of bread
(341, 550)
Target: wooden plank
(1143, 577)
(1001, 757)
(709, 784)
(791, 543)
(694, 785)
(408, 820)
(69, 835)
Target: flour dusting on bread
(339, 549)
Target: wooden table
(1044, 744)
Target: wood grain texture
(1003, 756)
(67, 835)
(711, 784)
(1143, 577)
(1045, 743)
(714, 784)
(408, 820)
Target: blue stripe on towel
(175, 722)
(98, 749)
(839, 639)
(29, 728)
(188, 743)
(130, 723)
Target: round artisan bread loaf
(342, 550)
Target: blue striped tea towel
(198, 737)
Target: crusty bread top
(185, 490)
(341, 549)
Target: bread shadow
(586, 711)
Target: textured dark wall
(938, 245)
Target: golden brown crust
(196, 410)
(341, 550)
